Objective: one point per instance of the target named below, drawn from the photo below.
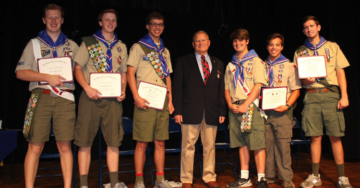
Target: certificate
(272, 97)
(109, 84)
(155, 94)
(311, 67)
(56, 66)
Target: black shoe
(262, 183)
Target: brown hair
(310, 17)
(240, 34)
(107, 11)
(53, 7)
(154, 15)
(274, 36)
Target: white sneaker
(343, 182)
(163, 184)
(311, 181)
(117, 185)
(139, 184)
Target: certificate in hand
(56, 66)
(155, 94)
(109, 84)
(272, 97)
(311, 67)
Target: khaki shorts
(255, 139)
(60, 110)
(321, 109)
(92, 113)
(151, 124)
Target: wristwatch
(287, 106)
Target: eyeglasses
(156, 24)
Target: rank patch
(45, 52)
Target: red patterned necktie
(206, 69)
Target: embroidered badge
(281, 70)
(246, 119)
(281, 66)
(97, 57)
(119, 49)
(45, 52)
(29, 113)
(21, 63)
(67, 43)
(153, 58)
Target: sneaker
(239, 182)
(117, 185)
(270, 180)
(163, 184)
(139, 184)
(262, 183)
(84, 187)
(343, 182)
(311, 181)
(288, 184)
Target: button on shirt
(198, 59)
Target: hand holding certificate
(56, 66)
(155, 94)
(311, 67)
(109, 84)
(272, 97)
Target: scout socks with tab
(159, 177)
(341, 171)
(114, 178)
(244, 174)
(315, 169)
(84, 180)
(139, 177)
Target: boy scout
(278, 126)
(324, 101)
(47, 102)
(150, 60)
(102, 53)
(243, 77)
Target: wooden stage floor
(328, 173)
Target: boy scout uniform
(254, 72)
(320, 103)
(149, 124)
(107, 111)
(278, 126)
(48, 105)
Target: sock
(244, 174)
(114, 178)
(139, 177)
(159, 177)
(84, 180)
(341, 171)
(260, 175)
(315, 169)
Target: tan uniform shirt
(254, 72)
(337, 61)
(144, 70)
(119, 58)
(286, 74)
(27, 60)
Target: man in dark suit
(199, 103)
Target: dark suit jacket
(191, 97)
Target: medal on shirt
(327, 55)
(279, 78)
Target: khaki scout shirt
(119, 58)
(27, 60)
(144, 70)
(256, 74)
(337, 61)
(286, 74)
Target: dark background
(21, 21)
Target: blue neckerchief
(99, 36)
(148, 42)
(312, 47)
(46, 39)
(239, 73)
(269, 71)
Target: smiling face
(201, 43)
(274, 48)
(108, 23)
(53, 21)
(240, 45)
(311, 29)
(155, 28)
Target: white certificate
(56, 66)
(272, 97)
(109, 84)
(311, 67)
(155, 94)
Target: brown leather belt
(318, 90)
(48, 92)
(239, 102)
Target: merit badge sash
(269, 71)
(246, 119)
(154, 55)
(55, 90)
(30, 111)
